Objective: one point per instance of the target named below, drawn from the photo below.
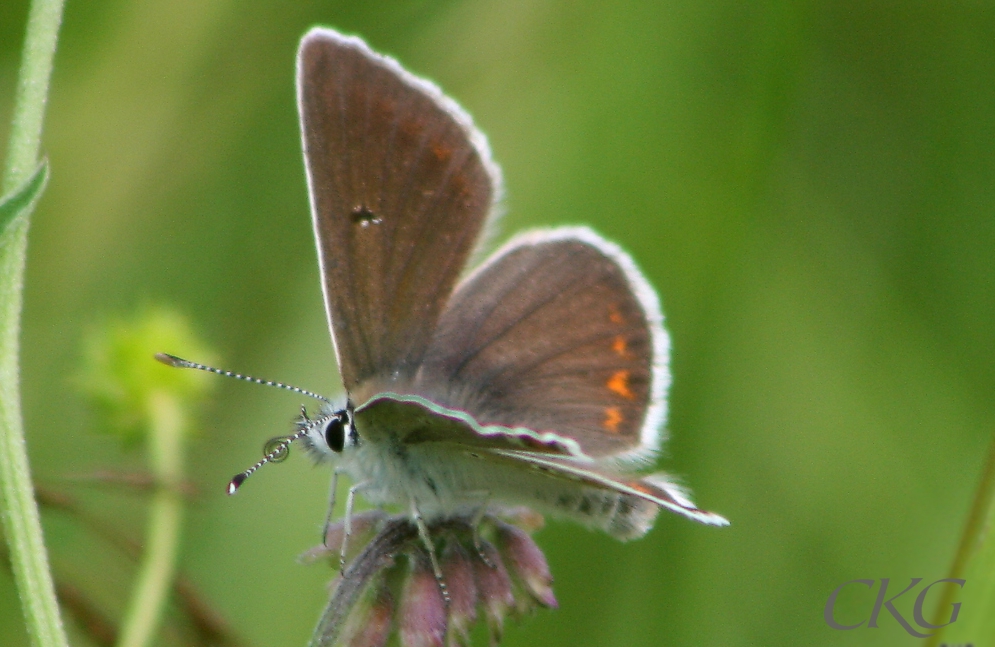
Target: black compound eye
(335, 435)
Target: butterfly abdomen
(620, 515)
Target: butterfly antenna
(277, 449)
(278, 452)
(179, 362)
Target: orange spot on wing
(613, 418)
(442, 152)
(640, 487)
(618, 384)
(615, 316)
(620, 347)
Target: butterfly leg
(427, 540)
(478, 517)
(331, 508)
(347, 529)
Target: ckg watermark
(884, 603)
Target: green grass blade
(975, 563)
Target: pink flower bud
(527, 563)
(369, 623)
(457, 570)
(423, 609)
(494, 589)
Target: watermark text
(885, 603)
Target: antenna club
(235, 483)
(169, 360)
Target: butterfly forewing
(401, 185)
(558, 332)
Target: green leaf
(22, 200)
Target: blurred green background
(808, 184)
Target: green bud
(122, 380)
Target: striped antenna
(179, 362)
(280, 447)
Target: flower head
(488, 568)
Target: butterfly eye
(335, 434)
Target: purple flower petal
(370, 623)
(494, 588)
(457, 570)
(527, 563)
(423, 609)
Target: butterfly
(538, 378)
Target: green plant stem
(22, 524)
(158, 567)
(975, 562)
(41, 36)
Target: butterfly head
(326, 437)
(330, 434)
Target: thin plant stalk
(142, 400)
(975, 563)
(41, 36)
(158, 567)
(22, 524)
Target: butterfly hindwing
(557, 332)
(659, 489)
(413, 420)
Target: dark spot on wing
(364, 217)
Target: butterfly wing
(635, 499)
(413, 420)
(558, 332)
(573, 485)
(401, 185)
